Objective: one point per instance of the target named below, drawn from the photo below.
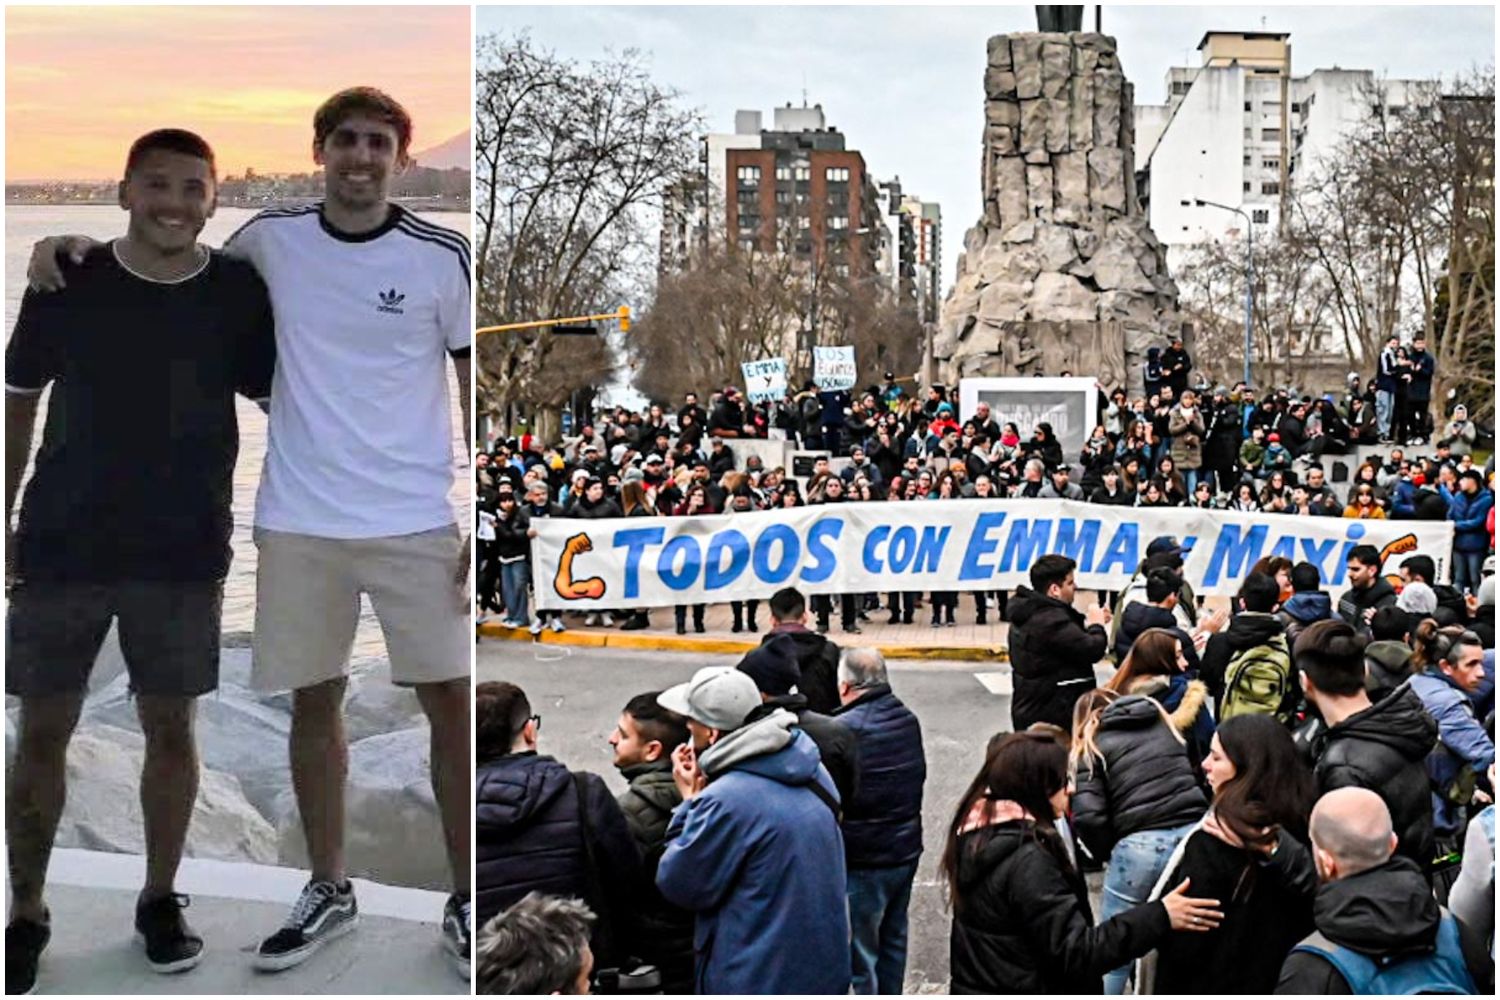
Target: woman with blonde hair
(1135, 795)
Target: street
(579, 693)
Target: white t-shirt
(361, 444)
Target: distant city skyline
(905, 84)
(247, 78)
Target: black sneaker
(323, 912)
(456, 937)
(171, 945)
(24, 941)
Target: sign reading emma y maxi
(933, 545)
(765, 381)
(833, 368)
(1070, 405)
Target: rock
(1015, 265)
(1107, 94)
(1057, 64)
(998, 51)
(1003, 301)
(1115, 267)
(1038, 157)
(392, 827)
(982, 338)
(1026, 58)
(1010, 191)
(1061, 297)
(1002, 113)
(374, 705)
(1070, 175)
(1001, 139)
(1081, 114)
(1024, 232)
(104, 810)
(999, 84)
(1057, 125)
(1039, 190)
(1106, 178)
(1034, 115)
(1054, 247)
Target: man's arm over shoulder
(255, 348)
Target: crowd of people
(1178, 445)
(1290, 797)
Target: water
(25, 224)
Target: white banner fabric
(765, 381)
(833, 367)
(931, 545)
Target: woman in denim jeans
(1136, 792)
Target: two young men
(367, 300)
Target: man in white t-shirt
(370, 302)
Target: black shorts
(169, 633)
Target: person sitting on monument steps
(1379, 929)
(1053, 648)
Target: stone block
(1010, 191)
(1004, 300)
(1057, 66)
(1057, 126)
(1090, 41)
(1106, 178)
(1107, 96)
(999, 84)
(1026, 60)
(1001, 140)
(1081, 113)
(1024, 232)
(1061, 297)
(1054, 246)
(1086, 239)
(1002, 113)
(1070, 174)
(1039, 190)
(1116, 269)
(1039, 157)
(1014, 265)
(999, 51)
(1034, 115)
(982, 339)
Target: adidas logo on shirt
(390, 302)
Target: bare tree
(570, 158)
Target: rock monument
(1063, 271)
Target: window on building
(836, 175)
(1271, 163)
(802, 173)
(1247, 187)
(838, 222)
(1247, 163)
(842, 270)
(1270, 134)
(1247, 105)
(1180, 86)
(747, 245)
(749, 223)
(1261, 216)
(783, 196)
(746, 193)
(1296, 108)
(1270, 187)
(748, 176)
(783, 173)
(1249, 134)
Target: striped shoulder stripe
(273, 213)
(415, 228)
(459, 252)
(420, 223)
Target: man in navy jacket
(883, 822)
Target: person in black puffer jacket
(1163, 591)
(1307, 604)
(1254, 624)
(1021, 919)
(531, 815)
(882, 823)
(1381, 746)
(1135, 797)
(1053, 648)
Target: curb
(718, 647)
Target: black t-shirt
(133, 480)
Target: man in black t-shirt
(127, 516)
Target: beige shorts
(307, 597)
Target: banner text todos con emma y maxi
(960, 545)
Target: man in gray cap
(755, 850)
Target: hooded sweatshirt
(1302, 609)
(758, 857)
(1387, 667)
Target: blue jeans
(1468, 570)
(513, 579)
(1190, 481)
(1134, 867)
(878, 898)
(1385, 407)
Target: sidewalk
(917, 641)
(92, 897)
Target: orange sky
(81, 83)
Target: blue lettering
(875, 537)
(679, 577)
(791, 550)
(981, 545)
(930, 549)
(1354, 534)
(1317, 553)
(1077, 544)
(634, 541)
(1285, 548)
(1124, 549)
(1234, 553)
(818, 536)
(903, 547)
(717, 575)
(1025, 541)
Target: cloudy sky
(904, 84)
(81, 83)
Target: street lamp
(1249, 273)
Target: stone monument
(1062, 272)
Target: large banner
(1070, 405)
(765, 381)
(933, 545)
(833, 368)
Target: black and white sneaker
(323, 912)
(171, 945)
(457, 940)
(24, 942)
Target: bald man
(1379, 929)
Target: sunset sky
(83, 82)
